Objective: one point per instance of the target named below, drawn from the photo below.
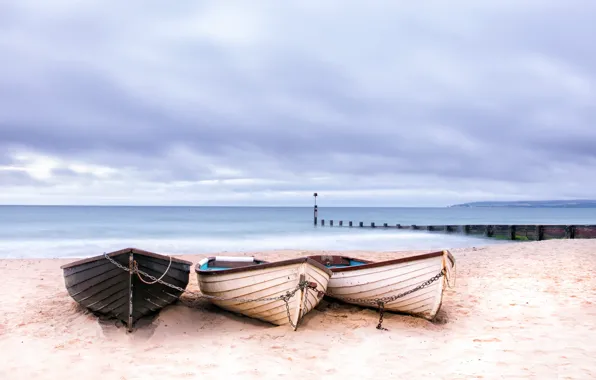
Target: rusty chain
(381, 312)
(380, 302)
(376, 301)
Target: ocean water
(82, 231)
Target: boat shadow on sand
(111, 327)
(189, 310)
(339, 309)
(190, 313)
(211, 314)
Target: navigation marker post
(316, 210)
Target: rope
(454, 276)
(136, 269)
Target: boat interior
(227, 262)
(334, 261)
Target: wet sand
(518, 311)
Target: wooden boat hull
(366, 282)
(102, 287)
(267, 280)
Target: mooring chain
(380, 302)
(384, 300)
(381, 312)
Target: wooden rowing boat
(98, 284)
(365, 283)
(239, 284)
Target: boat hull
(103, 288)
(237, 286)
(366, 283)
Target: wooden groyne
(499, 231)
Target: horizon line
(261, 206)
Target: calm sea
(75, 231)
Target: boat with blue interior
(260, 289)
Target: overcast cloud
(265, 102)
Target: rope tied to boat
(285, 297)
(136, 270)
(448, 276)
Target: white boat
(256, 288)
(411, 285)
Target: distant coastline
(584, 203)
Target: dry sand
(518, 311)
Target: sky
(387, 103)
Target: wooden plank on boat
(119, 292)
(238, 289)
(364, 284)
(300, 302)
(130, 289)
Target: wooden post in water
(331, 223)
(414, 227)
(322, 222)
(489, 231)
(398, 226)
(316, 210)
(341, 223)
(372, 224)
(350, 223)
(385, 225)
(361, 224)
(570, 232)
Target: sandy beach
(518, 311)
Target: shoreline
(519, 310)
(331, 240)
(196, 257)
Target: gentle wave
(354, 240)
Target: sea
(83, 231)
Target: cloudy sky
(401, 103)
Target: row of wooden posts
(511, 232)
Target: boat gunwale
(265, 265)
(376, 264)
(125, 251)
